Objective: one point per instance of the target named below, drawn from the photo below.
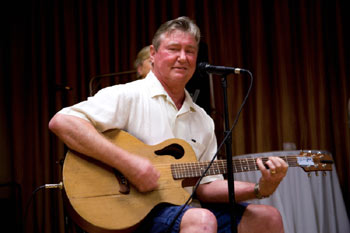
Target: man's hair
(142, 55)
(182, 23)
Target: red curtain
(297, 51)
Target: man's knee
(264, 211)
(273, 215)
(256, 216)
(198, 220)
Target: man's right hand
(143, 175)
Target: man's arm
(217, 191)
(80, 135)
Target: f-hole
(175, 150)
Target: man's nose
(182, 55)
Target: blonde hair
(142, 55)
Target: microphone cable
(217, 152)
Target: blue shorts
(161, 217)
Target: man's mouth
(180, 68)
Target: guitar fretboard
(196, 169)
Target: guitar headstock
(315, 161)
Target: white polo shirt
(144, 109)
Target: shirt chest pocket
(198, 149)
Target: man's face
(175, 60)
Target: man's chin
(184, 73)
(183, 77)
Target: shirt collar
(188, 104)
(156, 89)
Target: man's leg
(261, 218)
(198, 220)
(223, 216)
(162, 219)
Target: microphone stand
(91, 82)
(228, 143)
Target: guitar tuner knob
(316, 173)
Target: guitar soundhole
(175, 150)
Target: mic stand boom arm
(94, 78)
(228, 143)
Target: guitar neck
(196, 169)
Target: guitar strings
(237, 162)
(195, 169)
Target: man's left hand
(271, 176)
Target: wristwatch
(257, 192)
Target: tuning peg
(320, 155)
(309, 174)
(324, 173)
(316, 173)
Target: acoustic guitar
(100, 199)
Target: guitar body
(94, 193)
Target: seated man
(158, 108)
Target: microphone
(219, 70)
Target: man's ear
(152, 52)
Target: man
(157, 108)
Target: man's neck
(176, 93)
